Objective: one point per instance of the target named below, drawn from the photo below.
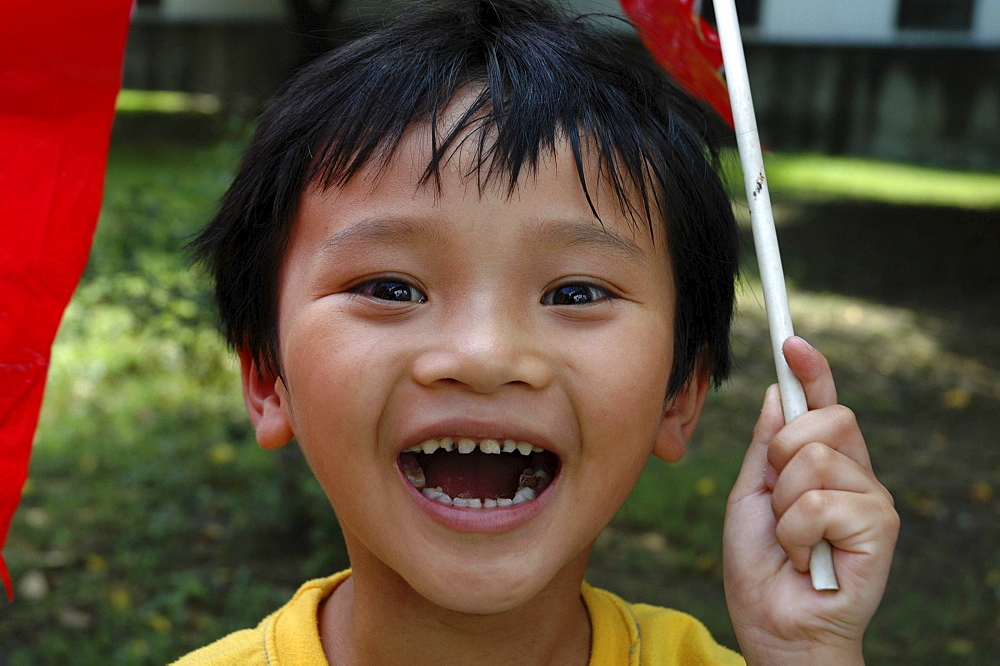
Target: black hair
(538, 77)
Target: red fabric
(685, 45)
(60, 71)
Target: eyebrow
(558, 233)
(379, 231)
(573, 233)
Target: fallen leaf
(160, 623)
(705, 486)
(982, 492)
(119, 598)
(96, 563)
(957, 398)
(222, 453)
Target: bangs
(520, 90)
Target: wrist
(821, 657)
(801, 653)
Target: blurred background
(152, 524)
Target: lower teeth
(534, 477)
(520, 497)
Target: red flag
(685, 45)
(60, 71)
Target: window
(935, 15)
(748, 11)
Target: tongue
(476, 474)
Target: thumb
(756, 475)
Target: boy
(478, 264)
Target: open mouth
(478, 473)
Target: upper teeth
(468, 445)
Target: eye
(390, 290)
(576, 294)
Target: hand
(801, 482)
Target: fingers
(857, 523)
(825, 487)
(836, 426)
(771, 419)
(819, 467)
(826, 421)
(752, 475)
(813, 371)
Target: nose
(484, 349)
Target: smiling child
(480, 267)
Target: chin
(483, 595)
(491, 586)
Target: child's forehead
(388, 220)
(459, 146)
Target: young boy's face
(411, 319)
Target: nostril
(481, 368)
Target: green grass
(166, 101)
(819, 176)
(152, 523)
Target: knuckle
(778, 505)
(892, 520)
(844, 417)
(817, 455)
(780, 450)
(813, 502)
(783, 531)
(817, 460)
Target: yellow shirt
(622, 633)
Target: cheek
(633, 368)
(625, 396)
(330, 407)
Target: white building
(973, 23)
(905, 79)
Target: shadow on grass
(943, 266)
(943, 262)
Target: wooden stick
(779, 319)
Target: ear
(680, 417)
(267, 404)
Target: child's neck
(379, 619)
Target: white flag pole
(793, 399)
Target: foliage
(821, 176)
(150, 515)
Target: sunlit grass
(166, 101)
(887, 182)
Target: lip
(481, 521)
